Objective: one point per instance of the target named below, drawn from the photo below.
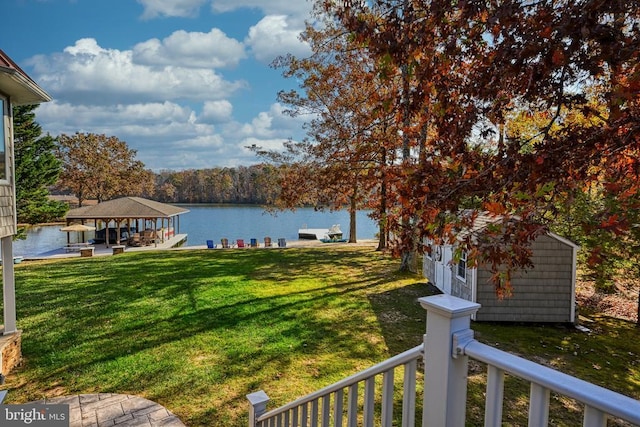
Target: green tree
(37, 168)
(101, 167)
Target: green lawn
(196, 330)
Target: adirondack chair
(240, 243)
(267, 242)
(210, 244)
(254, 243)
(225, 243)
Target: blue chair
(254, 243)
(210, 244)
(282, 242)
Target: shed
(16, 88)
(544, 293)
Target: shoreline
(169, 245)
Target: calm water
(205, 222)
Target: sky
(185, 83)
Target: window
(4, 136)
(462, 266)
(438, 253)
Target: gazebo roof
(18, 85)
(126, 207)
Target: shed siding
(462, 288)
(428, 269)
(541, 294)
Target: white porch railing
(325, 407)
(448, 344)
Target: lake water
(213, 222)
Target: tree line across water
(100, 167)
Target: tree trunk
(407, 253)
(352, 220)
(382, 224)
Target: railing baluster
(352, 402)
(453, 343)
(369, 401)
(337, 408)
(314, 413)
(594, 417)
(494, 398)
(305, 415)
(387, 398)
(326, 410)
(539, 405)
(409, 394)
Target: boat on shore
(327, 240)
(333, 233)
(312, 233)
(16, 260)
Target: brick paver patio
(105, 409)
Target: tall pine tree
(36, 169)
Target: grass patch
(197, 330)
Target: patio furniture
(267, 242)
(135, 240)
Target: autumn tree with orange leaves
(471, 64)
(351, 135)
(101, 167)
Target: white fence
(448, 344)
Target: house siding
(7, 221)
(540, 294)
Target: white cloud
(272, 37)
(191, 49)
(90, 74)
(170, 136)
(298, 9)
(216, 112)
(177, 8)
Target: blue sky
(186, 83)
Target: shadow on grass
(400, 315)
(197, 330)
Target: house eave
(20, 89)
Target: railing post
(445, 377)
(258, 402)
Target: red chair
(240, 243)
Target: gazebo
(127, 210)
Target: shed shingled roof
(126, 207)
